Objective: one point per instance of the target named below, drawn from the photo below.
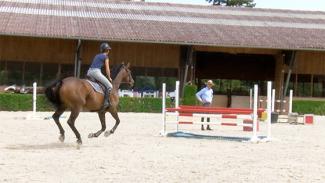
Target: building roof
(164, 23)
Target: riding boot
(106, 100)
(202, 127)
(208, 127)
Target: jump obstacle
(273, 102)
(245, 117)
(33, 114)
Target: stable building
(44, 39)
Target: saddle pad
(96, 86)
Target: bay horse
(78, 95)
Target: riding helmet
(104, 46)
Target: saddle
(97, 86)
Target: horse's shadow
(48, 146)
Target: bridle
(129, 75)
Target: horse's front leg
(56, 117)
(101, 116)
(117, 122)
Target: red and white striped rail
(240, 116)
(215, 119)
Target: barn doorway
(234, 74)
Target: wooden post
(296, 85)
(292, 61)
(77, 60)
(188, 63)
(279, 71)
(41, 74)
(58, 75)
(23, 73)
(312, 86)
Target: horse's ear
(128, 65)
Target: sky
(313, 5)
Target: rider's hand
(110, 79)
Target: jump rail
(245, 117)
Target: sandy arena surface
(30, 152)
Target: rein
(129, 75)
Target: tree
(238, 3)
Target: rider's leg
(97, 74)
(106, 98)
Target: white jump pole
(273, 99)
(177, 101)
(290, 101)
(34, 97)
(177, 94)
(269, 110)
(164, 108)
(254, 137)
(250, 98)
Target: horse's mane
(115, 70)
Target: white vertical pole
(290, 101)
(268, 109)
(177, 94)
(254, 137)
(177, 102)
(34, 97)
(250, 98)
(273, 100)
(164, 108)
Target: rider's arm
(108, 72)
(198, 95)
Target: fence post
(268, 109)
(34, 97)
(177, 94)
(273, 99)
(250, 98)
(255, 116)
(164, 108)
(290, 101)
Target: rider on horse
(95, 73)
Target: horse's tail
(52, 93)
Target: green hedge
(128, 104)
(189, 95)
(23, 102)
(308, 107)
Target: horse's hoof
(107, 133)
(79, 142)
(91, 135)
(61, 138)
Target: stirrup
(104, 107)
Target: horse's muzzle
(131, 84)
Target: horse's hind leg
(56, 117)
(71, 121)
(101, 116)
(117, 122)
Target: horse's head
(127, 75)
